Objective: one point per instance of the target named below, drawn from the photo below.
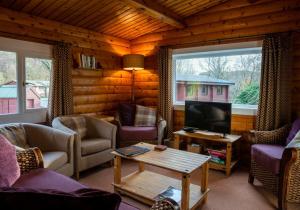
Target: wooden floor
(226, 193)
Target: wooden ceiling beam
(157, 11)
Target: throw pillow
(15, 133)
(145, 116)
(10, 170)
(293, 131)
(75, 123)
(44, 199)
(127, 114)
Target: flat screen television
(208, 116)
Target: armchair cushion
(76, 123)
(131, 133)
(9, 168)
(145, 116)
(15, 133)
(127, 114)
(91, 146)
(268, 156)
(293, 131)
(54, 160)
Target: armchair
(95, 139)
(275, 162)
(56, 146)
(128, 134)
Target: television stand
(205, 136)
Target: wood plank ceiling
(126, 19)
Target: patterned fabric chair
(95, 139)
(275, 162)
(130, 130)
(56, 146)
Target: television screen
(209, 116)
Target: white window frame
(238, 109)
(24, 49)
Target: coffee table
(145, 185)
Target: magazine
(171, 192)
(132, 151)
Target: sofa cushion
(127, 114)
(145, 116)
(47, 179)
(9, 168)
(54, 160)
(44, 199)
(132, 133)
(293, 131)
(75, 123)
(91, 146)
(15, 133)
(267, 156)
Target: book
(132, 151)
(171, 192)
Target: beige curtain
(274, 107)
(165, 88)
(61, 100)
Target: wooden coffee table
(145, 185)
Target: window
(37, 82)
(231, 72)
(204, 90)
(8, 83)
(25, 69)
(219, 90)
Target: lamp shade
(133, 62)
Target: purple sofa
(128, 134)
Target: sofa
(128, 133)
(39, 188)
(56, 146)
(94, 139)
(275, 162)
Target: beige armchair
(56, 146)
(95, 139)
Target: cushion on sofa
(127, 114)
(88, 199)
(131, 133)
(90, 146)
(9, 168)
(268, 156)
(54, 160)
(145, 116)
(293, 131)
(75, 123)
(15, 133)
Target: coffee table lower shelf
(145, 186)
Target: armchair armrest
(276, 136)
(161, 126)
(101, 128)
(30, 159)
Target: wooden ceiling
(126, 19)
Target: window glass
(8, 83)
(38, 73)
(222, 76)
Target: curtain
(165, 88)
(274, 109)
(61, 100)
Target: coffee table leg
(185, 192)
(204, 180)
(176, 141)
(117, 170)
(141, 167)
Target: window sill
(237, 109)
(29, 116)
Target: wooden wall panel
(100, 91)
